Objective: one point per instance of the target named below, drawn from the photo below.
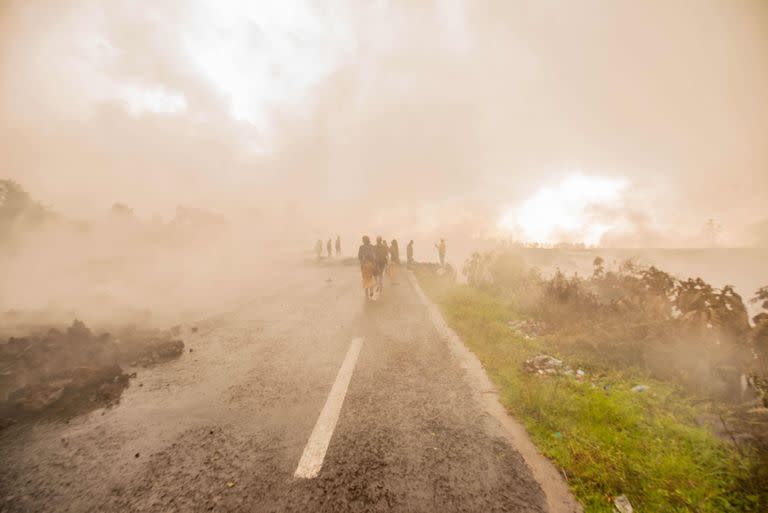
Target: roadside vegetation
(19, 211)
(632, 381)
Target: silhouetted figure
(329, 247)
(382, 254)
(441, 252)
(409, 252)
(394, 259)
(338, 245)
(319, 248)
(366, 254)
(394, 252)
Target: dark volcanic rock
(62, 368)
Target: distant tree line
(18, 210)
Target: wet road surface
(224, 427)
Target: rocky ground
(73, 370)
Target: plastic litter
(622, 504)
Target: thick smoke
(443, 109)
(300, 120)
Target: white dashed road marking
(314, 453)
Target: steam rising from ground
(119, 270)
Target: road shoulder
(558, 497)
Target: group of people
(329, 247)
(382, 258)
(376, 260)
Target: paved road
(224, 427)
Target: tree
(17, 207)
(121, 210)
(761, 296)
(598, 267)
(760, 331)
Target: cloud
(337, 107)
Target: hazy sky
(627, 122)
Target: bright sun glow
(575, 210)
(257, 56)
(261, 54)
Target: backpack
(382, 254)
(367, 253)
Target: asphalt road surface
(364, 402)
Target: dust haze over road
(223, 428)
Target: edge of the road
(558, 497)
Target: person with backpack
(368, 265)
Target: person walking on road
(409, 253)
(394, 259)
(382, 254)
(319, 249)
(338, 245)
(329, 247)
(367, 257)
(394, 252)
(441, 252)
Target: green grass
(607, 439)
